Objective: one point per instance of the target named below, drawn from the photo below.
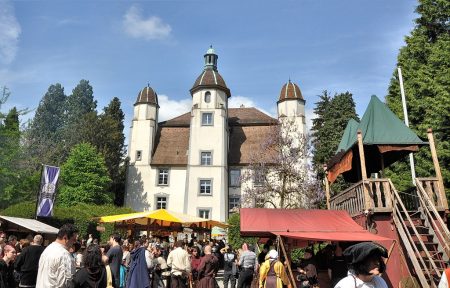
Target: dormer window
(207, 97)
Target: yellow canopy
(163, 218)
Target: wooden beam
(281, 243)
(327, 186)
(437, 168)
(362, 161)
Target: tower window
(163, 176)
(207, 119)
(138, 155)
(207, 97)
(206, 187)
(206, 158)
(161, 202)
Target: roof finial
(148, 84)
(289, 79)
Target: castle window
(258, 178)
(207, 119)
(138, 155)
(235, 177)
(206, 158)
(161, 202)
(204, 213)
(233, 203)
(207, 97)
(205, 187)
(163, 176)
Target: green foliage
(234, 232)
(425, 63)
(82, 215)
(84, 177)
(332, 115)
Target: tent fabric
(348, 138)
(342, 166)
(31, 224)
(334, 225)
(385, 138)
(163, 218)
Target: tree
(280, 171)
(44, 137)
(425, 64)
(332, 115)
(84, 177)
(234, 232)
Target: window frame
(238, 183)
(207, 97)
(166, 201)
(206, 158)
(210, 187)
(167, 176)
(209, 123)
(138, 155)
(238, 197)
(258, 178)
(204, 209)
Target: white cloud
(9, 32)
(238, 101)
(138, 27)
(172, 108)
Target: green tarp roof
(379, 125)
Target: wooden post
(327, 186)
(382, 166)
(362, 161)
(281, 243)
(437, 168)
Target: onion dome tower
(291, 105)
(210, 77)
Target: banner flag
(47, 192)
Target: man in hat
(272, 273)
(366, 264)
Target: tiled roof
(249, 128)
(290, 90)
(147, 96)
(210, 78)
(236, 116)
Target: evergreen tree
(425, 64)
(84, 178)
(332, 115)
(44, 138)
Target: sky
(123, 46)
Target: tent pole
(148, 227)
(327, 186)
(362, 160)
(437, 168)
(382, 165)
(281, 243)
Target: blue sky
(120, 46)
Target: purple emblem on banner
(47, 192)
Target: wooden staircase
(423, 233)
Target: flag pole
(39, 191)
(405, 114)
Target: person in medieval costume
(207, 270)
(366, 264)
(272, 273)
(140, 265)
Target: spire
(211, 59)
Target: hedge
(80, 215)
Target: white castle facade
(193, 163)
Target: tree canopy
(425, 64)
(84, 178)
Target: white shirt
(351, 280)
(443, 283)
(179, 261)
(56, 267)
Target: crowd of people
(159, 263)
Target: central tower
(206, 193)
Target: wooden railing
(431, 188)
(355, 200)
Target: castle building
(193, 163)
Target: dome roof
(147, 96)
(290, 91)
(210, 79)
